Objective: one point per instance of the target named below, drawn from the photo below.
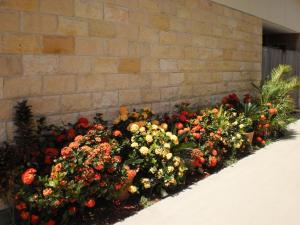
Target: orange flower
(28, 176)
(272, 111)
(66, 151)
(117, 133)
(90, 203)
(34, 219)
(74, 144)
(24, 215)
(214, 152)
(78, 138)
(212, 161)
(57, 167)
(215, 111)
(83, 123)
(47, 192)
(263, 118)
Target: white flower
(170, 169)
(169, 134)
(238, 136)
(144, 150)
(241, 126)
(146, 183)
(167, 145)
(235, 123)
(158, 151)
(169, 155)
(134, 128)
(142, 129)
(174, 138)
(164, 126)
(153, 170)
(238, 145)
(134, 145)
(154, 127)
(160, 173)
(149, 138)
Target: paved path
(262, 189)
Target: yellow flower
(132, 189)
(169, 134)
(134, 145)
(123, 117)
(170, 169)
(144, 150)
(149, 138)
(156, 122)
(117, 120)
(174, 138)
(167, 145)
(142, 129)
(134, 128)
(47, 191)
(146, 183)
(164, 126)
(123, 110)
(154, 127)
(169, 155)
(158, 151)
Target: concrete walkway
(262, 189)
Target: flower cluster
(151, 154)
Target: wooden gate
(272, 57)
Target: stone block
(58, 45)
(129, 97)
(160, 22)
(76, 102)
(23, 5)
(22, 87)
(148, 35)
(39, 23)
(72, 26)
(101, 28)
(60, 7)
(167, 37)
(6, 109)
(106, 99)
(167, 65)
(89, 46)
(74, 64)
(20, 43)
(150, 94)
(116, 47)
(10, 65)
(92, 9)
(88, 83)
(115, 13)
(105, 65)
(45, 105)
(9, 21)
(59, 84)
(150, 64)
(129, 65)
(39, 65)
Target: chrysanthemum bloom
(144, 150)
(149, 138)
(134, 128)
(90, 203)
(28, 176)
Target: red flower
(28, 176)
(117, 158)
(83, 123)
(99, 166)
(66, 151)
(182, 118)
(90, 203)
(21, 206)
(179, 126)
(225, 100)
(247, 98)
(118, 186)
(51, 151)
(212, 161)
(97, 177)
(197, 135)
(196, 163)
(48, 160)
(259, 139)
(34, 219)
(214, 152)
(117, 133)
(50, 222)
(72, 210)
(24, 215)
(71, 133)
(60, 138)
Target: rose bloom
(117, 133)
(78, 138)
(90, 203)
(149, 138)
(28, 176)
(71, 133)
(134, 128)
(83, 123)
(47, 192)
(74, 144)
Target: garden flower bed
(89, 172)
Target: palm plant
(276, 91)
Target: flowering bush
(151, 155)
(87, 168)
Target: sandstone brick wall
(78, 57)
